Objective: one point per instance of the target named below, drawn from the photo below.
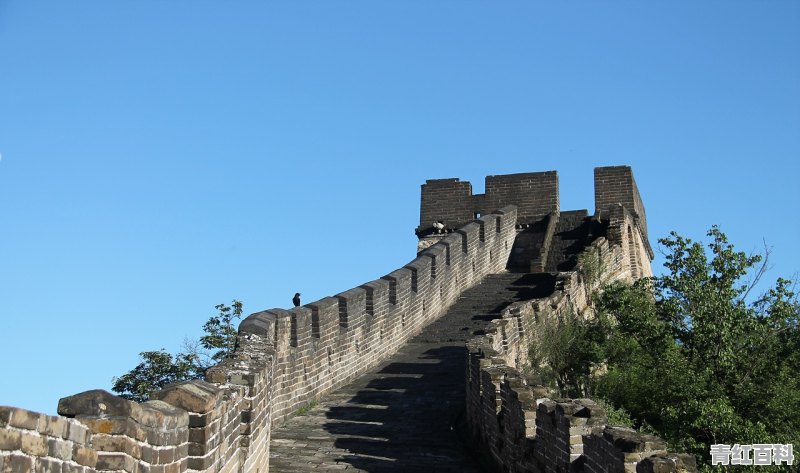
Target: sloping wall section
(519, 428)
(284, 360)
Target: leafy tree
(220, 331)
(693, 359)
(156, 370)
(566, 351)
(690, 355)
(160, 368)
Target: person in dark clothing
(296, 299)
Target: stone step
(403, 416)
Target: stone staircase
(404, 415)
(472, 312)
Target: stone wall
(519, 427)
(284, 360)
(615, 185)
(535, 194)
(33, 442)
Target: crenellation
(437, 254)
(283, 332)
(481, 229)
(301, 327)
(352, 309)
(377, 300)
(399, 287)
(260, 323)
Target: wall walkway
(404, 416)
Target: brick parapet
(31, 442)
(451, 201)
(132, 437)
(615, 186)
(361, 327)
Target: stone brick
(67, 467)
(114, 461)
(23, 419)
(59, 448)
(5, 415)
(10, 440)
(110, 443)
(200, 463)
(202, 435)
(34, 445)
(199, 449)
(84, 456)
(77, 433)
(96, 403)
(166, 456)
(53, 426)
(149, 454)
(193, 396)
(113, 426)
(47, 465)
(16, 464)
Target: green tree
(565, 350)
(160, 368)
(220, 332)
(691, 356)
(156, 370)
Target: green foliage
(220, 331)
(159, 368)
(617, 416)
(564, 352)
(305, 409)
(690, 354)
(156, 370)
(692, 358)
(591, 263)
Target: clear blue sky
(161, 157)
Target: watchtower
(548, 239)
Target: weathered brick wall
(33, 442)
(327, 343)
(615, 185)
(512, 418)
(535, 194)
(284, 360)
(449, 200)
(613, 449)
(128, 436)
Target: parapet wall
(615, 185)
(33, 442)
(513, 420)
(535, 194)
(284, 360)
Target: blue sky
(161, 157)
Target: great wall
(419, 370)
